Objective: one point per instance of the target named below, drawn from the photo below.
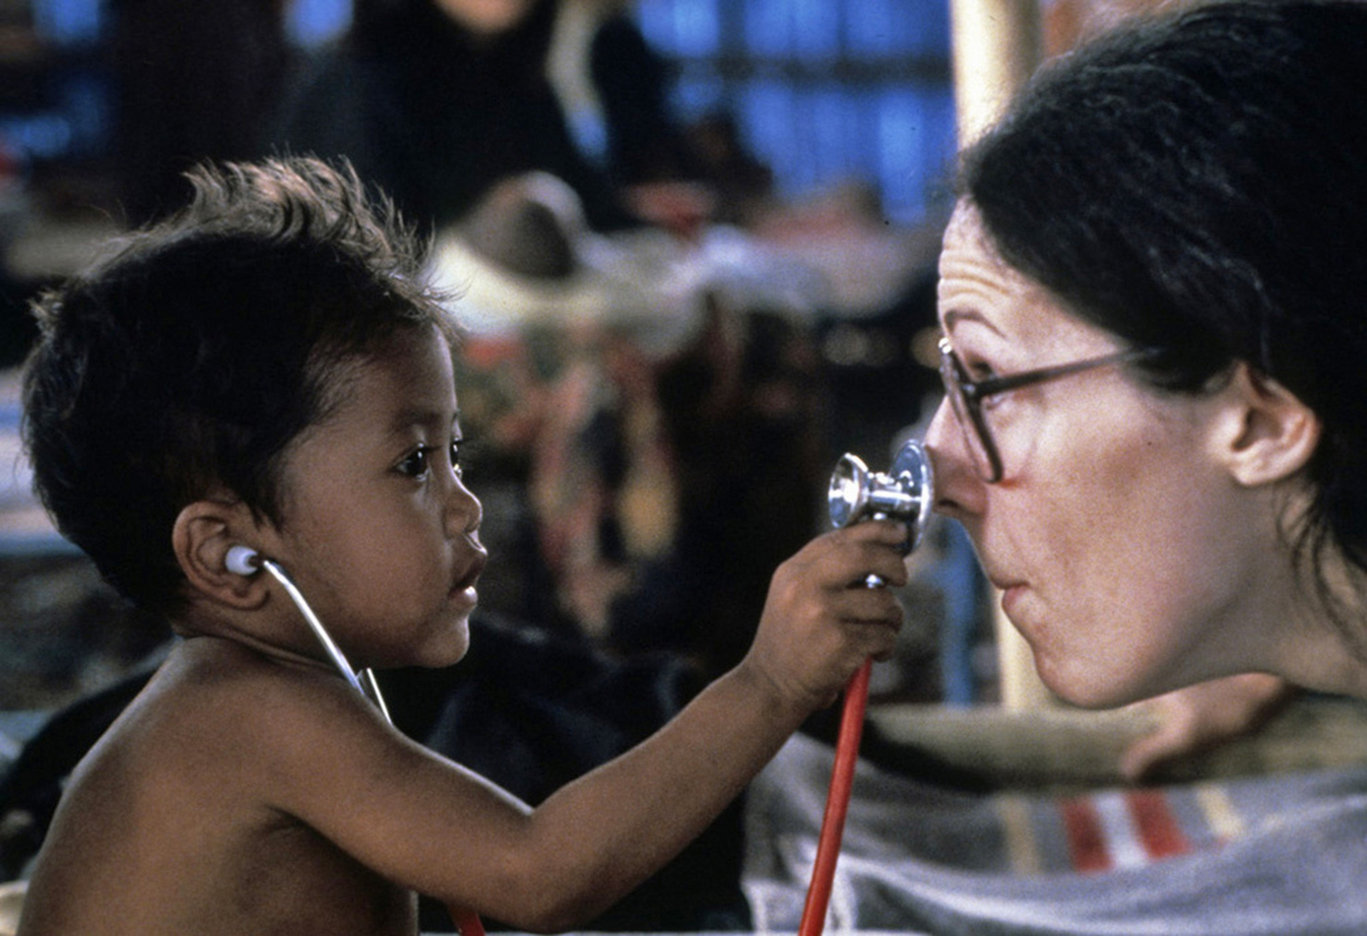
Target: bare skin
(250, 790)
(1191, 577)
(1190, 593)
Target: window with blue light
(314, 22)
(65, 23)
(63, 113)
(823, 91)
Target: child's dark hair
(183, 364)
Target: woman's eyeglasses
(966, 397)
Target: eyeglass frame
(967, 402)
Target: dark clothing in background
(645, 142)
(436, 116)
(192, 82)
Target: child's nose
(464, 512)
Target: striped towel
(1276, 856)
(1109, 829)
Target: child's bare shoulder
(217, 757)
(247, 706)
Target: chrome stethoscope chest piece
(904, 493)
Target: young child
(267, 370)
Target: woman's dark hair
(184, 363)
(1197, 183)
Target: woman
(1152, 302)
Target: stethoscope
(855, 494)
(858, 494)
(243, 560)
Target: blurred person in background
(437, 101)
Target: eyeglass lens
(969, 417)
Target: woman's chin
(1086, 690)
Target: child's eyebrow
(425, 418)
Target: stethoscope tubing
(467, 921)
(330, 647)
(837, 802)
(854, 493)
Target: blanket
(1279, 855)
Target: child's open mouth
(466, 584)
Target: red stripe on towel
(1158, 828)
(1086, 842)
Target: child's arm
(437, 828)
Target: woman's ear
(1272, 433)
(203, 533)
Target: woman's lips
(1010, 595)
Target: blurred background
(695, 243)
(775, 214)
(694, 246)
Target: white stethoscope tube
(243, 560)
(362, 681)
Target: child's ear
(203, 533)
(1271, 433)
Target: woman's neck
(1325, 646)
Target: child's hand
(821, 621)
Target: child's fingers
(872, 605)
(821, 620)
(872, 638)
(886, 532)
(889, 565)
(871, 619)
(845, 557)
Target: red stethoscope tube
(467, 922)
(837, 802)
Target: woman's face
(1123, 549)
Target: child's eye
(417, 463)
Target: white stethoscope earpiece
(241, 560)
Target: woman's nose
(957, 486)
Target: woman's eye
(455, 457)
(417, 463)
(981, 372)
(978, 370)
